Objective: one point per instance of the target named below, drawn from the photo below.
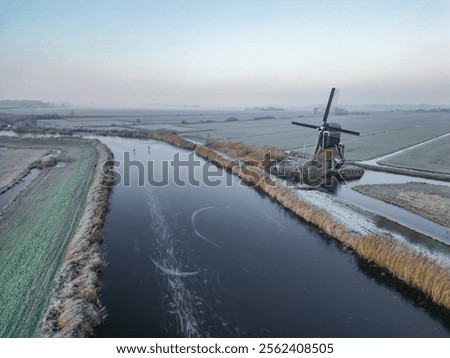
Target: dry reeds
(172, 138)
(74, 310)
(417, 270)
(247, 152)
(161, 134)
(412, 267)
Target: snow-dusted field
(363, 222)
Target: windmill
(329, 148)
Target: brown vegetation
(404, 171)
(171, 138)
(74, 310)
(402, 261)
(247, 152)
(412, 267)
(161, 134)
(16, 162)
(429, 201)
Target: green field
(34, 233)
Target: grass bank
(433, 157)
(407, 264)
(74, 309)
(404, 171)
(35, 231)
(412, 267)
(427, 200)
(249, 153)
(16, 162)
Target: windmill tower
(329, 149)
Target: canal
(227, 261)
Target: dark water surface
(230, 262)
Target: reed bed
(74, 309)
(412, 267)
(172, 138)
(161, 134)
(247, 152)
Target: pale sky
(225, 53)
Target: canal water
(227, 261)
(9, 194)
(399, 215)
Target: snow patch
(362, 222)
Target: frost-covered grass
(427, 200)
(74, 309)
(381, 132)
(34, 233)
(15, 162)
(415, 264)
(247, 152)
(364, 223)
(434, 156)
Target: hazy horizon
(217, 54)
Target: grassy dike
(74, 309)
(35, 231)
(410, 266)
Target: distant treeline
(265, 109)
(24, 123)
(46, 116)
(25, 103)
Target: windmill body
(329, 138)
(328, 160)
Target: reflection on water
(230, 262)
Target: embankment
(404, 171)
(426, 200)
(16, 162)
(14, 180)
(247, 152)
(74, 309)
(414, 268)
(36, 228)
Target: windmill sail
(327, 111)
(327, 131)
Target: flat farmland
(429, 201)
(35, 230)
(434, 156)
(14, 163)
(381, 132)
